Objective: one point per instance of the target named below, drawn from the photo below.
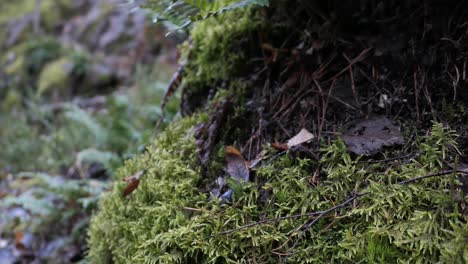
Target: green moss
(216, 46)
(169, 220)
(171, 177)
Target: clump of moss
(215, 53)
(171, 177)
(168, 219)
(171, 219)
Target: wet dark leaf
(226, 196)
(236, 164)
(368, 136)
(220, 183)
(133, 182)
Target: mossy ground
(170, 217)
(169, 220)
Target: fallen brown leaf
(133, 182)
(236, 165)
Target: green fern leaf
(180, 14)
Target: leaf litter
(132, 182)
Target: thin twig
(277, 155)
(272, 220)
(334, 208)
(359, 58)
(440, 173)
(307, 227)
(391, 159)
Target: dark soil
(323, 65)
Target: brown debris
(208, 134)
(133, 182)
(174, 83)
(176, 80)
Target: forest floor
(64, 135)
(64, 132)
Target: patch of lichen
(169, 220)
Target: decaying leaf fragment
(368, 136)
(133, 182)
(236, 165)
(301, 137)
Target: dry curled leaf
(301, 137)
(236, 165)
(133, 182)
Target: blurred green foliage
(48, 137)
(49, 150)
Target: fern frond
(80, 116)
(181, 13)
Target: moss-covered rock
(168, 219)
(336, 209)
(172, 170)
